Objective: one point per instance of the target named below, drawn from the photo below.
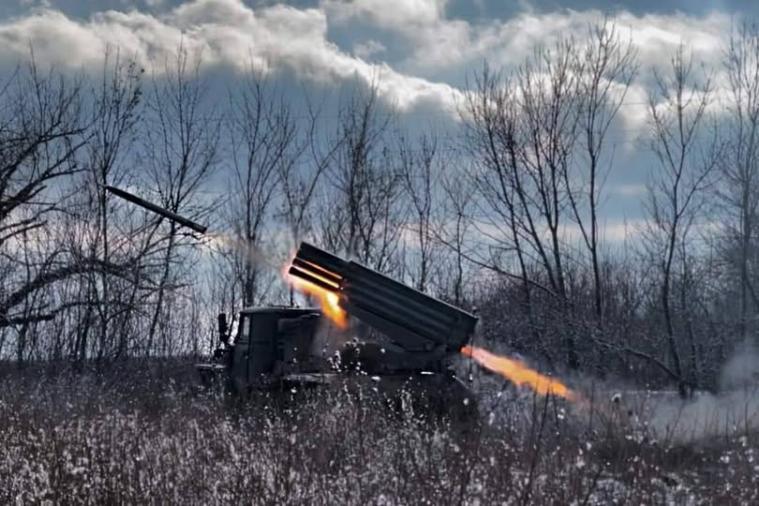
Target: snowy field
(152, 437)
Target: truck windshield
(243, 329)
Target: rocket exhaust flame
(319, 283)
(518, 373)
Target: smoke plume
(732, 411)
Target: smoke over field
(732, 410)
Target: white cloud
(437, 45)
(366, 50)
(229, 32)
(610, 231)
(388, 13)
(655, 38)
(434, 40)
(629, 190)
(224, 32)
(621, 231)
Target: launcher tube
(313, 279)
(318, 270)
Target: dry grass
(129, 437)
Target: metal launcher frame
(411, 319)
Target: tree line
(504, 217)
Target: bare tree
(739, 191)
(687, 152)
(363, 217)
(453, 231)
(264, 145)
(420, 171)
(179, 152)
(548, 99)
(606, 68)
(114, 105)
(300, 182)
(41, 131)
(494, 140)
(522, 131)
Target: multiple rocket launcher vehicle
(397, 336)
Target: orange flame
(328, 301)
(518, 373)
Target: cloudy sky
(420, 51)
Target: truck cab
(268, 343)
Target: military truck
(396, 338)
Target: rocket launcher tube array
(412, 319)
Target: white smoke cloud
(742, 370)
(734, 410)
